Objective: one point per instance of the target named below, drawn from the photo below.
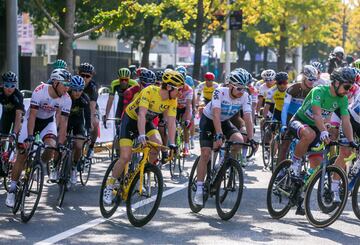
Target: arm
(187, 114)
(17, 124)
(347, 127)
(266, 110)
(249, 125)
(141, 120)
(87, 115)
(260, 102)
(217, 121)
(62, 128)
(171, 125)
(93, 113)
(319, 122)
(108, 105)
(31, 121)
(284, 114)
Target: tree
(152, 18)
(72, 18)
(293, 23)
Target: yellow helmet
(173, 78)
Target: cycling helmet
(9, 77)
(189, 81)
(159, 75)
(356, 64)
(77, 83)
(86, 67)
(310, 72)
(182, 70)
(339, 50)
(173, 78)
(268, 75)
(124, 73)
(344, 75)
(239, 77)
(281, 76)
(147, 77)
(318, 66)
(59, 63)
(60, 75)
(139, 70)
(209, 76)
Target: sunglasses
(9, 85)
(283, 83)
(312, 79)
(77, 90)
(85, 75)
(180, 89)
(347, 87)
(268, 80)
(124, 80)
(66, 84)
(240, 89)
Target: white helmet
(268, 75)
(339, 49)
(310, 72)
(60, 75)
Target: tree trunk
(252, 62)
(149, 35)
(282, 49)
(265, 61)
(233, 47)
(65, 49)
(198, 39)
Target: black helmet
(281, 76)
(343, 75)
(86, 67)
(159, 75)
(9, 77)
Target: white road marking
(92, 223)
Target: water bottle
(221, 157)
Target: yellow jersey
(206, 91)
(276, 97)
(150, 98)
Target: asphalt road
(80, 221)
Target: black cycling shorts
(207, 131)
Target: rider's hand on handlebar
(325, 137)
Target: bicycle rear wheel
(279, 190)
(229, 190)
(18, 196)
(314, 208)
(64, 179)
(355, 198)
(7, 178)
(108, 210)
(85, 170)
(138, 206)
(192, 187)
(32, 192)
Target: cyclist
(87, 71)
(294, 98)
(46, 100)
(79, 120)
(308, 122)
(137, 121)
(269, 81)
(184, 112)
(59, 64)
(214, 122)
(132, 69)
(336, 59)
(206, 89)
(158, 75)
(119, 86)
(319, 67)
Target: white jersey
(46, 105)
(354, 108)
(229, 107)
(263, 91)
(321, 81)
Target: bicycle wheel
(7, 178)
(108, 210)
(85, 170)
(192, 187)
(355, 198)
(65, 168)
(265, 148)
(229, 190)
(273, 158)
(114, 156)
(314, 213)
(279, 191)
(138, 206)
(18, 196)
(32, 192)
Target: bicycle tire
(65, 168)
(85, 170)
(139, 222)
(113, 150)
(272, 155)
(7, 178)
(230, 166)
(104, 212)
(283, 166)
(265, 149)
(354, 198)
(192, 187)
(38, 170)
(18, 197)
(308, 212)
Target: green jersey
(322, 97)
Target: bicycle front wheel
(32, 192)
(64, 179)
(320, 209)
(229, 190)
(85, 170)
(143, 201)
(355, 198)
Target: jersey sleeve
(246, 103)
(66, 105)
(19, 105)
(190, 94)
(144, 98)
(112, 88)
(216, 99)
(316, 95)
(36, 96)
(199, 88)
(270, 97)
(288, 98)
(93, 95)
